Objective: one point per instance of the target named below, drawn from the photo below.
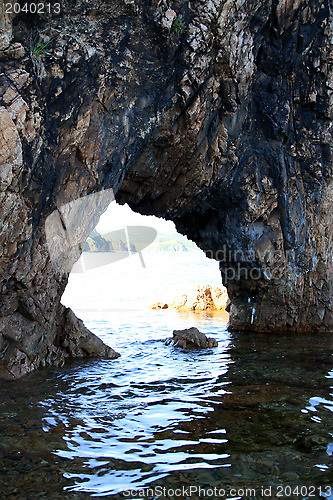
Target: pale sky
(118, 216)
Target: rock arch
(216, 115)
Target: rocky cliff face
(215, 114)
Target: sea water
(251, 418)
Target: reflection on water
(256, 411)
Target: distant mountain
(98, 243)
(171, 242)
(140, 238)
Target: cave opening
(137, 268)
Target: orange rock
(202, 298)
(159, 305)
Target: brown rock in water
(70, 339)
(203, 298)
(191, 338)
(159, 305)
(223, 127)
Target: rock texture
(204, 298)
(159, 305)
(217, 115)
(191, 338)
(26, 345)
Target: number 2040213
(32, 8)
(286, 491)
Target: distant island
(116, 241)
(171, 242)
(98, 243)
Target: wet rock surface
(27, 344)
(215, 115)
(191, 338)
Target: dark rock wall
(215, 114)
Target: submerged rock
(191, 338)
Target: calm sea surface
(251, 418)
